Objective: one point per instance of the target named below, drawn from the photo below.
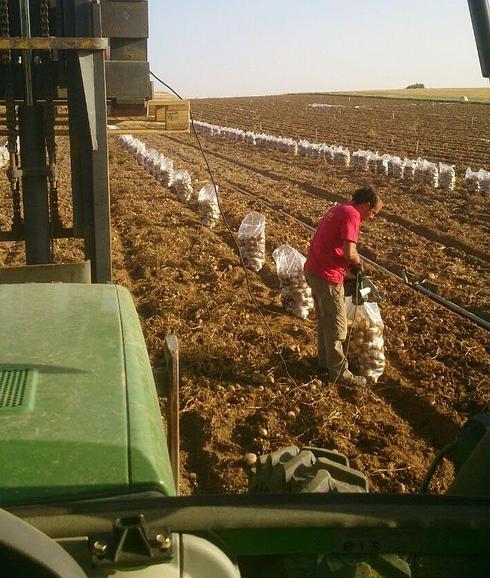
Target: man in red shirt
(332, 252)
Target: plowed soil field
(449, 132)
(187, 279)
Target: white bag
(295, 291)
(366, 345)
(447, 177)
(472, 181)
(182, 185)
(251, 240)
(208, 207)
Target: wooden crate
(171, 111)
(164, 113)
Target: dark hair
(365, 195)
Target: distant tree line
(417, 85)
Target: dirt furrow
(387, 241)
(251, 389)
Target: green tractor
(89, 473)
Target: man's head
(367, 202)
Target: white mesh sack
(251, 240)
(447, 177)
(164, 170)
(373, 161)
(360, 160)
(139, 151)
(419, 171)
(471, 181)
(150, 157)
(303, 146)
(182, 185)
(484, 180)
(341, 156)
(366, 345)
(431, 174)
(295, 291)
(382, 164)
(409, 168)
(208, 207)
(396, 167)
(327, 153)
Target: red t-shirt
(326, 255)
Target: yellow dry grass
(481, 95)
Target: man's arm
(351, 255)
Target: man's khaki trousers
(332, 326)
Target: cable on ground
(247, 280)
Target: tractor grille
(15, 389)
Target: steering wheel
(27, 552)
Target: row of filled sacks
(419, 170)
(332, 153)
(335, 154)
(477, 181)
(179, 181)
(261, 139)
(155, 162)
(423, 171)
(295, 294)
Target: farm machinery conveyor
(87, 482)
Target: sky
(257, 47)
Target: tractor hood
(79, 414)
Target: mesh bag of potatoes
(366, 345)
(182, 185)
(207, 201)
(472, 181)
(251, 240)
(295, 291)
(447, 177)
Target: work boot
(352, 380)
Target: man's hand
(355, 269)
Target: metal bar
(396, 520)
(81, 172)
(102, 267)
(65, 233)
(25, 25)
(51, 273)
(51, 43)
(171, 351)
(58, 132)
(480, 18)
(143, 131)
(34, 187)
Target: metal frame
(269, 524)
(79, 57)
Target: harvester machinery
(89, 477)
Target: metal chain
(44, 14)
(49, 121)
(4, 29)
(4, 18)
